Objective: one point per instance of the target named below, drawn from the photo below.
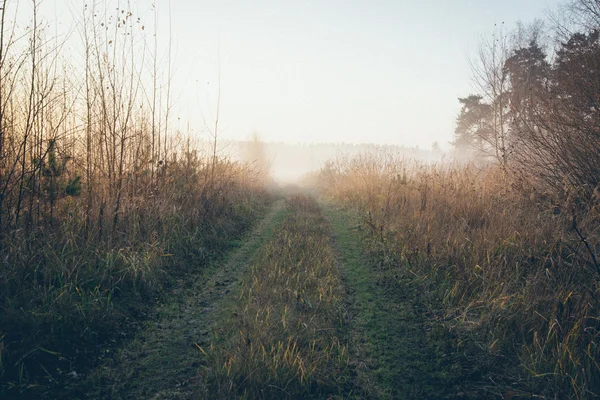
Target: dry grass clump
(516, 270)
(63, 294)
(282, 338)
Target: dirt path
(281, 337)
(158, 363)
(395, 353)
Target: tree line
(537, 105)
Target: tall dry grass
(101, 202)
(514, 270)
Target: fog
(290, 163)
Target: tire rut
(160, 362)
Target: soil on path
(160, 362)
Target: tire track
(159, 363)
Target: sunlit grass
(62, 297)
(514, 276)
(281, 340)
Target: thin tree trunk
(2, 133)
(29, 124)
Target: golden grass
(507, 262)
(282, 338)
(103, 203)
(69, 294)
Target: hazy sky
(355, 71)
(328, 71)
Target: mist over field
(289, 163)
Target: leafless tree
(491, 81)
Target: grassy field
(182, 321)
(136, 261)
(509, 271)
(396, 350)
(74, 306)
(397, 286)
(314, 318)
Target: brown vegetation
(98, 201)
(537, 106)
(516, 273)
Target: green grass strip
(393, 351)
(280, 339)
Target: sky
(385, 72)
(336, 71)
